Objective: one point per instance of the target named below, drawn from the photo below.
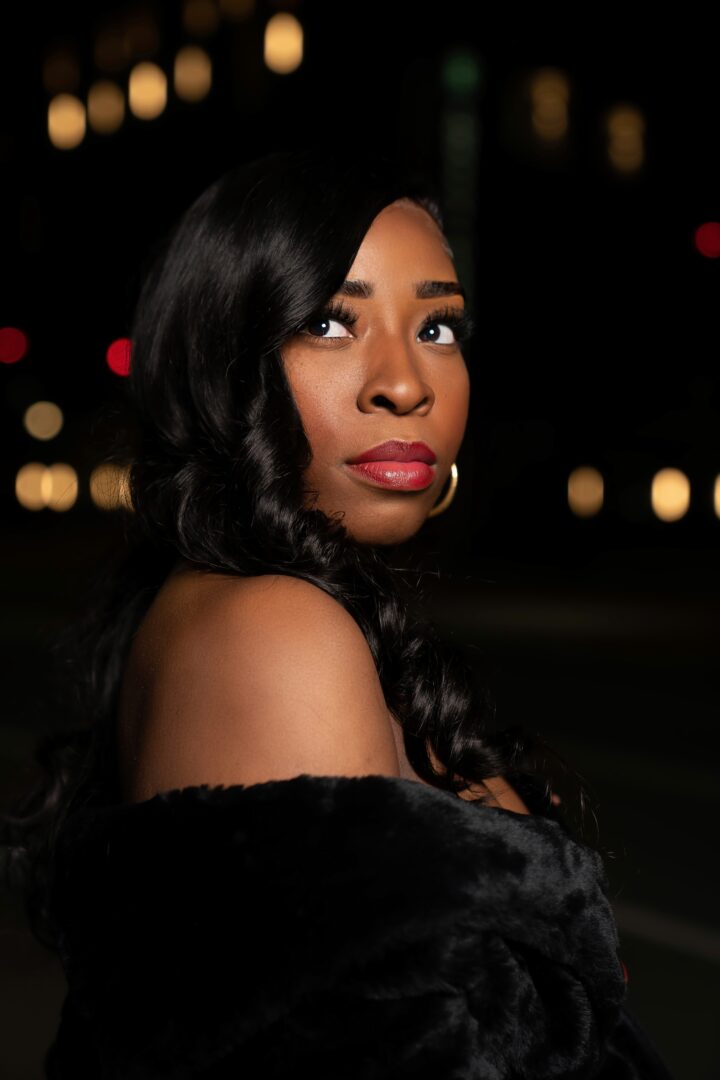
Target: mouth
(400, 475)
(397, 450)
(404, 466)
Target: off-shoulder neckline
(415, 790)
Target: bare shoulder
(279, 623)
(256, 679)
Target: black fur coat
(339, 928)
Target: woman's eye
(438, 339)
(325, 322)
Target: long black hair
(215, 462)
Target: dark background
(596, 344)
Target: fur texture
(343, 928)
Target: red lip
(396, 450)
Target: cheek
(457, 402)
(319, 408)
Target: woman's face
(382, 374)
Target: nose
(395, 383)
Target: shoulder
(256, 679)
(276, 623)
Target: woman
(290, 839)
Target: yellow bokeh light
(32, 485)
(716, 496)
(192, 73)
(585, 491)
(63, 487)
(147, 90)
(670, 494)
(105, 107)
(283, 43)
(66, 121)
(110, 487)
(43, 420)
(38, 486)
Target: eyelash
(461, 324)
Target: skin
(381, 379)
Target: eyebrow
(424, 290)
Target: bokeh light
(66, 121)
(549, 97)
(707, 239)
(670, 494)
(13, 344)
(105, 107)
(237, 10)
(461, 73)
(119, 356)
(43, 420)
(110, 487)
(200, 17)
(147, 90)
(585, 491)
(32, 485)
(626, 138)
(63, 486)
(283, 43)
(61, 71)
(38, 486)
(192, 73)
(141, 31)
(111, 51)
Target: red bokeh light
(13, 344)
(707, 239)
(118, 356)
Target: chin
(379, 534)
(373, 524)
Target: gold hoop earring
(449, 495)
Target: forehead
(403, 239)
